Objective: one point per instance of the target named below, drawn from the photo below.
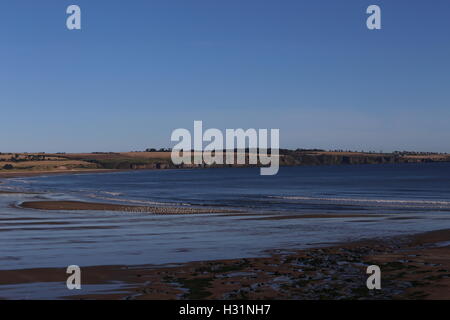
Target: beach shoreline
(29, 174)
(96, 206)
(56, 205)
(413, 267)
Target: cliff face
(323, 159)
(287, 158)
(302, 158)
(162, 160)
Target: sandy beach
(413, 267)
(93, 206)
(36, 173)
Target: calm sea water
(410, 198)
(294, 189)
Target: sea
(287, 211)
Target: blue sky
(139, 69)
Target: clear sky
(139, 69)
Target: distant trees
(417, 153)
(23, 157)
(159, 150)
(8, 166)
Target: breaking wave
(373, 202)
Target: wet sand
(93, 206)
(413, 267)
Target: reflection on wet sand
(414, 267)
